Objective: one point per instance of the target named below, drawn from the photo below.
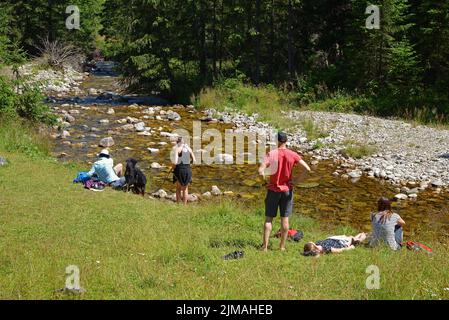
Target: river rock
(92, 91)
(140, 126)
(144, 133)
(64, 134)
(173, 116)
(153, 150)
(132, 120)
(70, 119)
(413, 196)
(103, 121)
(437, 183)
(126, 127)
(192, 198)
(412, 191)
(155, 165)
(110, 111)
(207, 194)
(355, 174)
(106, 142)
(401, 196)
(216, 191)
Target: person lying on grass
(334, 244)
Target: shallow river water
(332, 200)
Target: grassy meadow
(127, 247)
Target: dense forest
(309, 49)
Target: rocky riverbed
(401, 153)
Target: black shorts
(279, 200)
(182, 174)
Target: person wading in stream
(182, 154)
(280, 163)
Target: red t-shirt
(280, 163)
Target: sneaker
(234, 255)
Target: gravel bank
(403, 153)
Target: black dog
(135, 178)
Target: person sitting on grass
(334, 244)
(105, 171)
(387, 226)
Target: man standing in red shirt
(280, 163)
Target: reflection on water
(330, 199)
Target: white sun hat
(104, 152)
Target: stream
(332, 200)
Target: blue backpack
(81, 177)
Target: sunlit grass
(266, 101)
(358, 150)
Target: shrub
(357, 150)
(6, 99)
(28, 103)
(58, 55)
(233, 94)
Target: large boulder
(106, 142)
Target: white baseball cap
(104, 152)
